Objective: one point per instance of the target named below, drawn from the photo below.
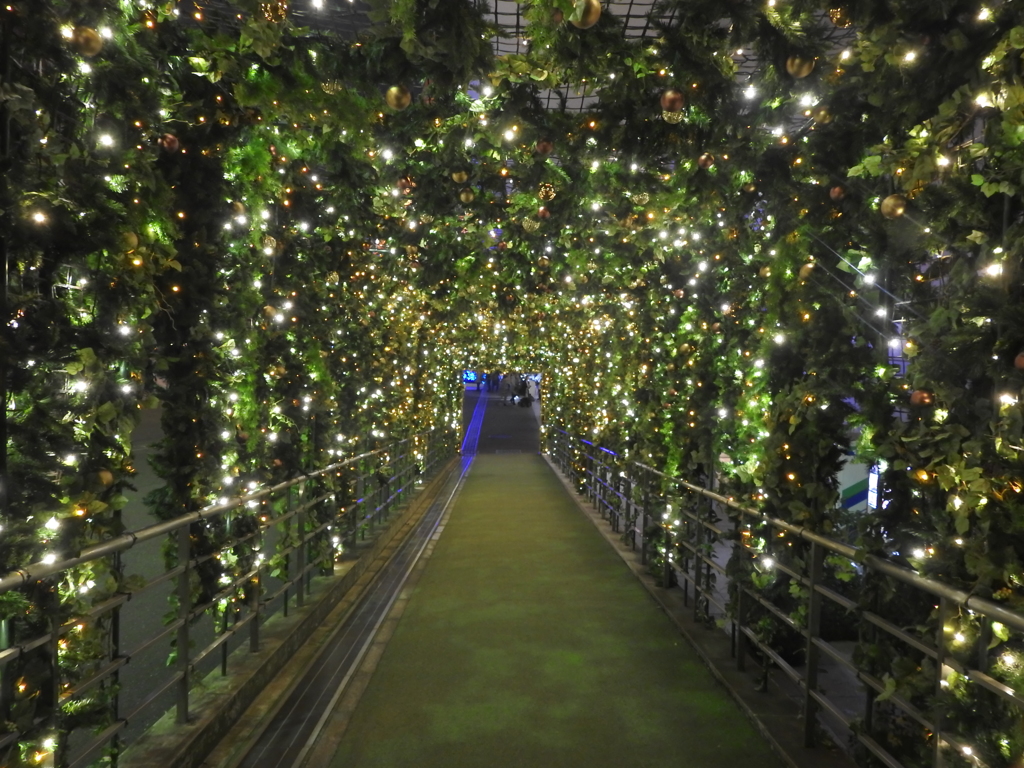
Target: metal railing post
(814, 573)
(645, 511)
(184, 615)
(300, 551)
(938, 759)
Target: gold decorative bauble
(426, 218)
(398, 97)
(641, 198)
(591, 13)
(467, 195)
(822, 115)
(799, 66)
(269, 242)
(87, 41)
(806, 270)
(331, 87)
(672, 118)
(275, 11)
(893, 206)
(460, 177)
(531, 225)
(543, 262)
(546, 192)
(839, 17)
(129, 241)
(706, 160)
(333, 277)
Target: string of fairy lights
(656, 316)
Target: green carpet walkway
(527, 642)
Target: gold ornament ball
(467, 195)
(893, 206)
(672, 118)
(331, 87)
(765, 272)
(543, 213)
(839, 17)
(398, 97)
(543, 262)
(546, 192)
(460, 177)
(531, 225)
(799, 66)
(822, 115)
(129, 241)
(706, 160)
(87, 41)
(806, 270)
(591, 14)
(105, 477)
(238, 208)
(275, 11)
(641, 198)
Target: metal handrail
(42, 570)
(404, 466)
(600, 466)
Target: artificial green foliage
(220, 215)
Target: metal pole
(184, 611)
(940, 655)
(300, 552)
(814, 573)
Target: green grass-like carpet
(528, 642)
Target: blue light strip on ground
(472, 439)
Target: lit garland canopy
(740, 240)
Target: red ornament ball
(921, 397)
(169, 142)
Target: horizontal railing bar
(96, 679)
(41, 570)
(222, 637)
(101, 739)
(170, 629)
(835, 597)
(772, 609)
(878, 751)
(826, 703)
(174, 680)
(791, 673)
(892, 629)
(856, 554)
(995, 686)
